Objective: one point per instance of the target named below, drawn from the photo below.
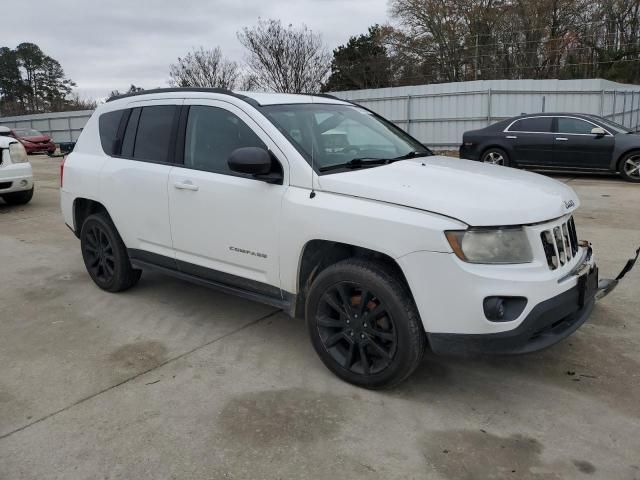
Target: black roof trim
(222, 91)
(555, 114)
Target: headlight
(17, 153)
(483, 245)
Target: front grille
(560, 244)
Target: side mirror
(600, 132)
(254, 161)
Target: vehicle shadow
(584, 364)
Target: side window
(153, 136)
(130, 133)
(573, 125)
(212, 134)
(533, 124)
(108, 124)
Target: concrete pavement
(171, 380)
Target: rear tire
(105, 255)
(364, 324)
(496, 156)
(629, 167)
(18, 198)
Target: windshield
(27, 132)
(611, 125)
(338, 134)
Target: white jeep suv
(16, 176)
(326, 210)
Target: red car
(34, 141)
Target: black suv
(560, 141)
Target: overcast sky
(108, 44)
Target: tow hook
(606, 285)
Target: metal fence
(61, 127)
(438, 115)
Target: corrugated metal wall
(439, 114)
(62, 127)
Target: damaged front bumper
(606, 285)
(548, 322)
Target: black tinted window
(534, 124)
(153, 136)
(108, 124)
(212, 134)
(130, 133)
(573, 125)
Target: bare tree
(285, 59)
(204, 68)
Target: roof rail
(222, 91)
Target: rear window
(108, 124)
(534, 124)
(153, 135)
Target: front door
(225, 226)
(576, 147)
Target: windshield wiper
(356, 163)
(412, 154)
(365, 162)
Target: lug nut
(364, 325)
(362, 335)
(348, 322)
(351, 333)
(356, 315)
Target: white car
(384, 248)
(16, 176)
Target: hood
(37, 138)
(476, 193)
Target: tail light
(62, 170)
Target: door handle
(511, 136)
(563, 139)
(186, 186)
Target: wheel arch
(82, 208)
(318, 254)
(497, 145)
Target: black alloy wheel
(105, 255)
(98, 251)
(364, 324)
(356, 328)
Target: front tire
(18, 198)
(496, 156)
(364, 324)
(630, 167)
(105, 255)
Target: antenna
(313, 192)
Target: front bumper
(40, 147)
(450, 295)
(16, 177)
(547, 324)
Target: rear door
(531, 140)
(576, 147)
(134, 180)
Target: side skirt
(254, 291)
